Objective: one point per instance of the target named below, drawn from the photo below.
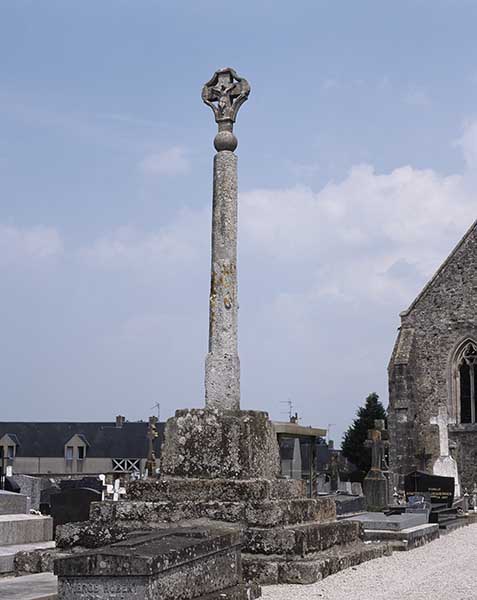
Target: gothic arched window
(467, 382)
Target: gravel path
(442, 570)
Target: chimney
(119, 421)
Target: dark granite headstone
(45, 499)
(92, 483)
(439, 490)
(190, 563)
(72, 505)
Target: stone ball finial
(225, 93)
(225, 140)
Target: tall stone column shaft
(224, 93)
(222, 371)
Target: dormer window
(9, 446)
(81, 452)
(69, 452)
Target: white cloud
(468, 144)
(148, 252)
(27, 245)
(173, 161)
(353, 233)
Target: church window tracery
(467, 382)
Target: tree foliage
(352, 446)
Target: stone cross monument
(445, 465)
(375, 484)
(224, 93)
(221, 440)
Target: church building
(433, 373)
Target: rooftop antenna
(158, 406)
(290, 408)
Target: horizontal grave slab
(180, 563)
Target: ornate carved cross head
(225, 93)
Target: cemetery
(238, 504)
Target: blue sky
(357, 164)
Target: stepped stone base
(274, 569)
(194, 489)
(223, 468)
(300, 539)
(25, 529)
(269, 513)
(13, 504)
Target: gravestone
(345, 487)
(439, 490)
(445, 465)
(72, 505)
(375, 484)
(92, 483)
(334, 473)
(322, 484)
(188, 563)
(296, 465)
(45, 498)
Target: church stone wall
(420, 369)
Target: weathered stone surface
(37, 561)
(89, 534)
(9, 554)
(200, 490)
(274, 569)
(25, 529)
(268, 513)
(11, 503)
(287, 512)
(31, 487)
(212, 444)
(224, 93)
(349, 504)
(300, 539)
(375, 486)
(173, 564)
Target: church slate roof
(105, 440)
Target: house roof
(443, 266)
(39, 439)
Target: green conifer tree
(352, 446)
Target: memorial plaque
(439, 490)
